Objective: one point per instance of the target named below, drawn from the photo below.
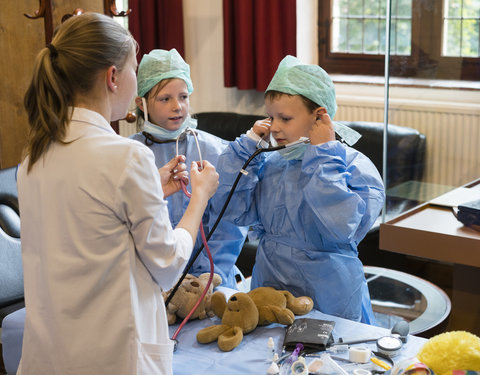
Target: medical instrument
(361, 371)
(271, 349)
(299, 367)
(205, 244)
(359, 355)
(329, 366)
(399, 330)
(220, 215)
(273, 369)
(380, 363)
(287, 364)
(389, 345)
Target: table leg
(465, 314)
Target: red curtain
(156, 24)
(258, 34)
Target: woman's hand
(172, 173)
(322, 130)
(204, 181)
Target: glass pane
(404, 35)
(453, 8)
(404, 8)
(470, 38)
(371, 43)
(339, 35)
(355, 8)
(372, 7)
(452, 41)
(393, 36)
(393, 9)
(383, 8)
(471, 9)
(340, 7)
(354, 36)
(382, 36)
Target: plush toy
(187, 296)
(243, 312)
(279, 306)
(450, 351)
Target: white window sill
(406, 82)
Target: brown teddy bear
(243, 312)
(187, 296)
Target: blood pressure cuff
(469, 213)
(314, 334)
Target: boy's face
(290, 118)
(169, 107)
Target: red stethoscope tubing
(210, 278)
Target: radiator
(452, 134)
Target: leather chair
(405, 162)
(11, 272)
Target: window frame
(425, 60)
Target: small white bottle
(271, 349)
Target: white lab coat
(98, 248)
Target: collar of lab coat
(82, 121)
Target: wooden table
(432, 232)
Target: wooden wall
(20, 41)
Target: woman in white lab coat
(97, 243)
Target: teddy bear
(187, 296)
(243, 312)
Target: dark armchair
(11, 273)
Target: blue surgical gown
(309, 216)
(227, 240)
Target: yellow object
(380, 363)
(455, 350)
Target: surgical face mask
(294, 152)
(162, 133)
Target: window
(428, 38)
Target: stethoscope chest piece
(389, 345)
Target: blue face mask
(294, 152)
(162, 133)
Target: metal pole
(386, 100)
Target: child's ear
(319, 112)
(139, 103)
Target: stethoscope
(205, 239)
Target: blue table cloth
(250, 357)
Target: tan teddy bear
(187, 296)
(244, 311)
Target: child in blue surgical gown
(164, 86)
(309, 205)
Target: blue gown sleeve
(225, 246)
(241, 209)
(344, 190)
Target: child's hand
(262, 128)
(204, 181)
(172, 173)
(322, 131)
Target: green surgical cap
(161, 64)
(295, 78)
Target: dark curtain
(258, 34)
(157, 24)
